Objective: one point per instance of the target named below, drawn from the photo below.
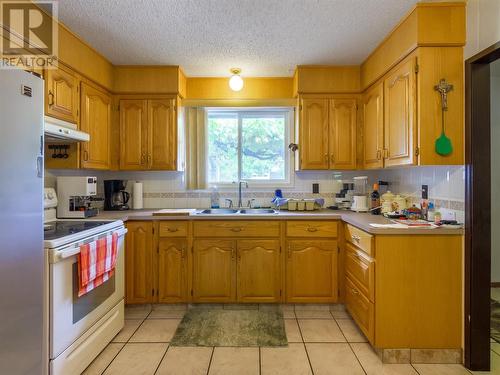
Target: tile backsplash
(167, 189)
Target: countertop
(359, 220)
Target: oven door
(71, 316)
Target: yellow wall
(216, 88)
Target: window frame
(289, 136)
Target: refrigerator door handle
(39, 166)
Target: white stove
(59, 232)
(79, 327)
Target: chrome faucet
(240, 202)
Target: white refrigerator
(21, 223)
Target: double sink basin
(243, 211)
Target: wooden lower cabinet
(214, 271)
(259, 271)
(311, 271)
(139, 262)
(405, 291)
(360, 308)
(172, 270)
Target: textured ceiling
(207, 37)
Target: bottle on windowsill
(375, 200)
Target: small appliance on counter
(115, 196)
(75, 195)
(360, 196)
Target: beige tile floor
(323, 340)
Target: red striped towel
(96, 263)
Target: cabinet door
(133, 134)
(373, 127)
(172, 266)
(399, 115)
(162, 135)
(61, 96)
(95, 120)
(312, 271)
(342, 133)
(258, 271)
(313, 134)
(214, 271)
(139, 262)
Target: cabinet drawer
(361, 270)
(361, 309)
(173, 228)
(360, 239)
(311, 229)
(235, 228)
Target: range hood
(58, 131)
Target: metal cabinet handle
(379, 154)
(233, 254)
(354, 291)
(149, 158)
(236, 229)
(173, 229)
(289, 251)
(143, 158)
(312, 229)
(356, 238)
(85, 155)
(51, 98)
(326, 158)
(332, 159)
(183, 253)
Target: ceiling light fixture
(236, 82)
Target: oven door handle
(71, 251)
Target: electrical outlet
(425, 191)
(315, 187)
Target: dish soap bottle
(214, 198)
(375, 200)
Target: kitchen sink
(244, 211)
(257, 211)
(219, 211)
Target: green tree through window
(249, 145)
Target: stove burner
(60, 229)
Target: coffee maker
(115, 196)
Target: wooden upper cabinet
(214, 271)
(259, 271)
(162, 134)
(313, 134)
(133, 134)
(62, 95)
(311, 271)
(95, 120)
(400, 115)
(172, 270)
(139, 262)
(373, 127)
(342, 133)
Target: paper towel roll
(137, 203)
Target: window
(248, 145)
